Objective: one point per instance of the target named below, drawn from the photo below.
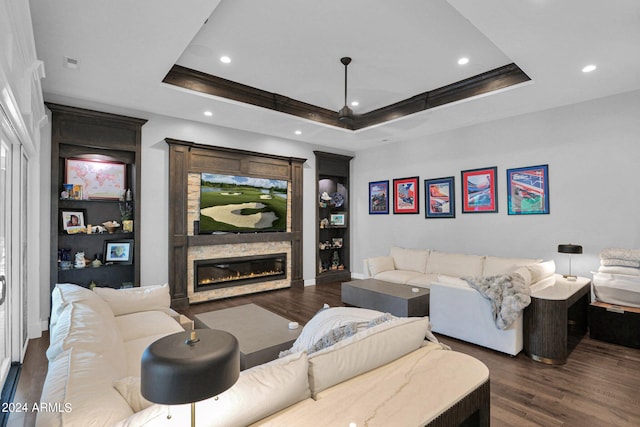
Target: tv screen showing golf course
(231, 203)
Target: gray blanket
(508, 294)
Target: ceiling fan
(345, 115)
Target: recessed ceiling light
(298, 132)
(589, 68)
(225, 59)
(463, 61)
(208, 113)
(354, 103)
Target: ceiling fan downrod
(345, 114)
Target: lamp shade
(175, 371)
(570, 249)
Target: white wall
(155, 186)
(592, 150)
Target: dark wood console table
(547, 319)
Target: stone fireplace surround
(186, 161)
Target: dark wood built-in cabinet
(332, 217)
(95, 136)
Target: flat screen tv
(237, 204)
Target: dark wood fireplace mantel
(189, 157)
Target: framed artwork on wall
(99, 180)
(479, 190)
(528, 190)
(379, 197)
(406, 195)
(440, 198)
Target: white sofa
(456, 309)
(382, 373)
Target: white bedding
(618, 289)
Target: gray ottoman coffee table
(399, 300)
(262, 335)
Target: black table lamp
(569, 249)
(187, 368)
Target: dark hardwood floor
(598, 386)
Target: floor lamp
(176, 370)
(570, 249)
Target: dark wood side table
(547, 319)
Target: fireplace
(227, 272)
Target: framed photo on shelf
(440, 198)
(99, 180)
(73, 220)
(379, 197)
(479, 190)
(338, 219)
(118, 251)
(528, 190)
(406, 195)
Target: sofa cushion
(129, 389)
(423, 280)
(138, 325)
(135, 348)
(379, 264)
(86, 326)
(64, 294)
(409, 259)
(132, 300)
(457, 265)
(365, 351)
(260, 391)
(498, 265)
(82, 385)
(399, 276)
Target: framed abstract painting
(528, 190)
(440, 198)
(406, 195)
(479, 190)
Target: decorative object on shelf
(64, 258)
(406, 196)
(73, 221)
(126, 210)
(335, 260)
(528, 190)
(479, 190)
(176, 371)
(379, 197)
(338, 219)
(92, 285)
(66, 191)
(89, 229)
(118, 251)
(325, 199)
(336, 242)
(111, 226)
(128, 197)
(440, 198)
(569, 249)
(99, 179)
(127, 225)
(96, 263)
(337, 200)
(79, 260)
(324, 223)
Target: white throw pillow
(326, 320)
(409, 259)
(133, 300)
(380, 264)
(542, 270)
(64, 294)
(260, 391)
(365, 351)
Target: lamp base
(570, 277)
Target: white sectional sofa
(456, 309)
(382, 373)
